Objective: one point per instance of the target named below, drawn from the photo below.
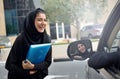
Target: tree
(56, 10)
(70, 10)
(74, 11)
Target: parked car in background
(4, 42)
(91, 31)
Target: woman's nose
(43, 22)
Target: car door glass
(116, 43)
(115, 50)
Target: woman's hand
(26, 64)
(32, 72)
(77, 57)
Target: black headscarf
(19, 50)
(86, 50)
(84, 55)
(30, 33)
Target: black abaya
(20, 48)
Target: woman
(33, 33)
(81, 52)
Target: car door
(78, 70)
(110, 40)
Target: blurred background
(68, 21)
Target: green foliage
(56, 10)
(68, 11)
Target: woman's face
(40, 22)
(81, 48)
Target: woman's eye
(40, 19)
(45, 19)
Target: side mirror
(80, 50)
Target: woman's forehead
(80, 44)
(40, 15)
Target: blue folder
(37, 53)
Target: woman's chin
(41, 30)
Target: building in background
(12, 14)
(2, 19)
(15, 12)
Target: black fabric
(104, 60)
(30, 33)
(20, 48)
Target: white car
(91, 31)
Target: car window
(84, 28)
(116, 43)
(66, 18)
(100, 26)
(115, 48)
(89, 27)
(118, 35)
(81, 16)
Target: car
(91, 31)
(5, 42)
(108, 43)
(79, 69)
(68, 68)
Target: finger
(25, 61)
(28, 61)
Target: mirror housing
(73, 47)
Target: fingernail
(25, 61)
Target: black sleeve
(102, 60)
(45, 64)
(13, 64)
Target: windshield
(67, 21)
(74, 20)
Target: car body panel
(4, 42)
(73, 70)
